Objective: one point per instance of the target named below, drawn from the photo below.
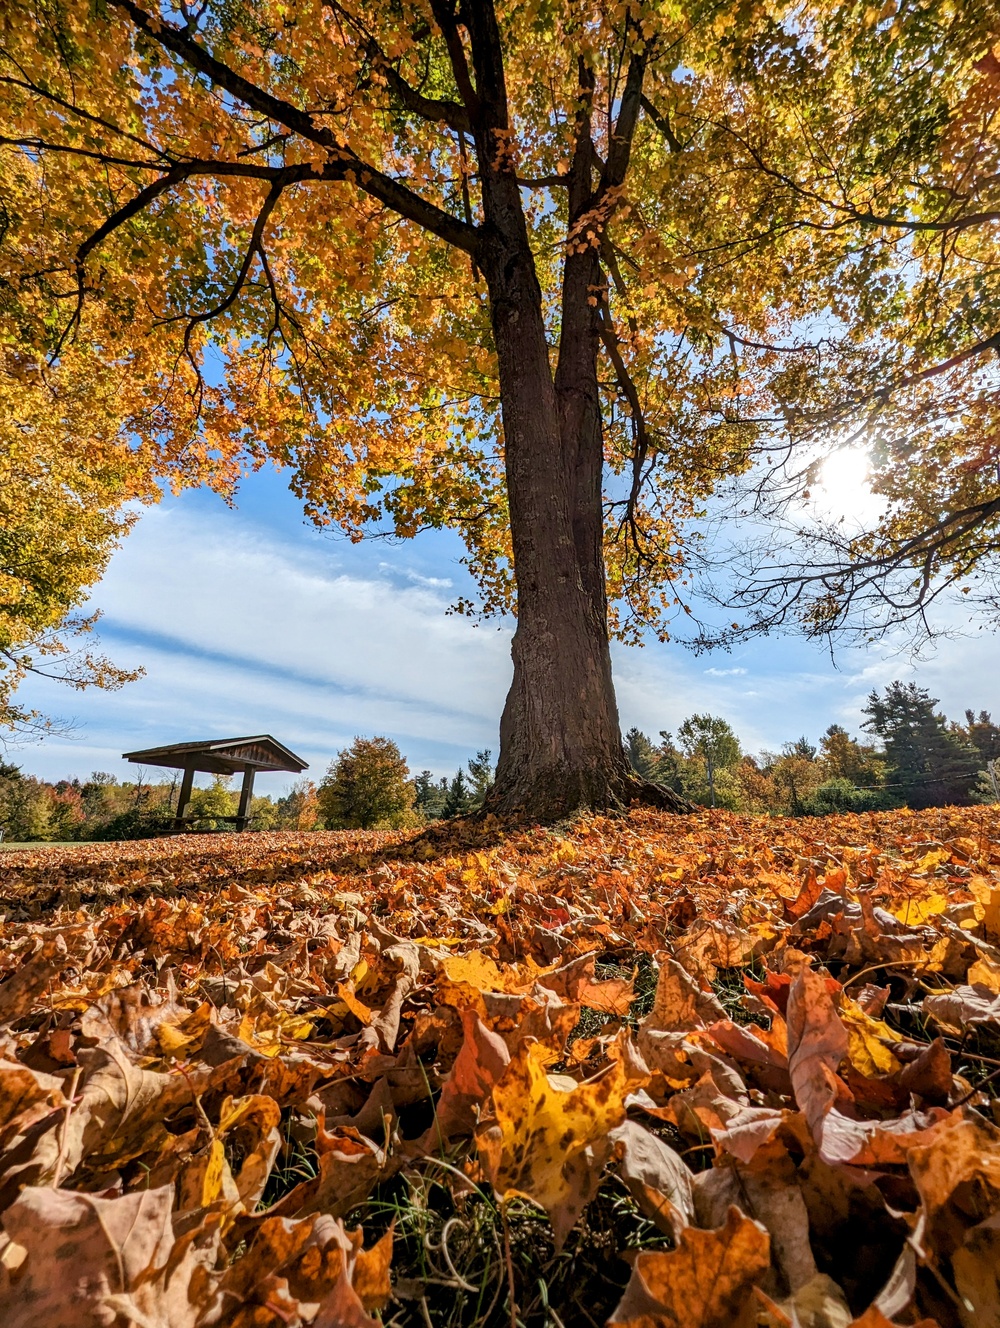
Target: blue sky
(247, 620)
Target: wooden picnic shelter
(220, 756)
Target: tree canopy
(62, 487)
(367, 784)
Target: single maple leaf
(706, 1282)
(549, 1143)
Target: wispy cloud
(239, 632)
(392, 572)
(725, 673)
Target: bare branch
(640, 434)
(254, 249)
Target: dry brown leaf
(957, 1175)
(963, 1007)
(478, 1066)
(706, 1282)
(19, 991)
(817, 1043)
(874, 1318)
(311, 1270)
(680, 1004)
(656, 1177)
(26, 1096)
(91, 1261)
(768, 1190)
(976, 1269)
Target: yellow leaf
(211, 1183)
(300, 1026)
(345, 990)
(984, 973)
(986, 893)
(548, 1141)
(933, 859)
(172, 1041)
(915, 912)
(477, 969)
(866, 1038)
(483, 973)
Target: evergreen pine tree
(481, 774)
(982, 733)
(459, 799)
(430, 795)
(643, 756)
(930, 765)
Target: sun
(843, 488)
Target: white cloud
(239, 632)
(725, 673)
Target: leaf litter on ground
(699, 1072)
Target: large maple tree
(508, 268)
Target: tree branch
(434, 110)
(620, 145)
(254, 249)
(662, 123)
(444, 14)
(640, 434)
(346, 164)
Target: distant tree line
(914, 757)
(367, 786)
(102, 808)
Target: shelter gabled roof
(222, 756)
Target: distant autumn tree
(527, 272)
(712, 740)
(368, 784)
(299, 808)
(843, 757)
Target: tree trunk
(561, 748)
(560, 744)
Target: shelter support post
(184, 797)
(246, 794)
